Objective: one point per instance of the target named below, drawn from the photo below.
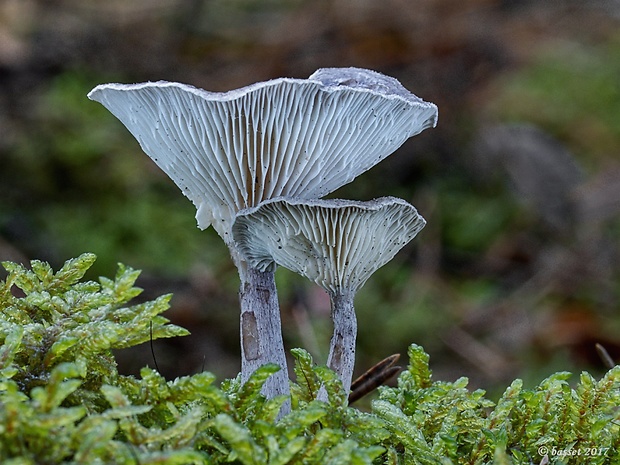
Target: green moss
(62, 399)
(437, 422)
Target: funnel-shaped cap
(286, 137)
(338, 244)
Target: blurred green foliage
(572, 91)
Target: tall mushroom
(285, 137)
(338, 244)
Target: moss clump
(62, 399)
(438, 422)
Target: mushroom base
(261, 335)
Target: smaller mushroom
(338, 244)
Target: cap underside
(337, 244)
(286, 137)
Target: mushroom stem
(261, 334)
(341, 357)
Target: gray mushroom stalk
(230, 151)
(338, 244)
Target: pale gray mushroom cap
(285, 137)
(338, 244)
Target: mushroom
(338, 244)
(285, 137)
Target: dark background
(516, 273)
